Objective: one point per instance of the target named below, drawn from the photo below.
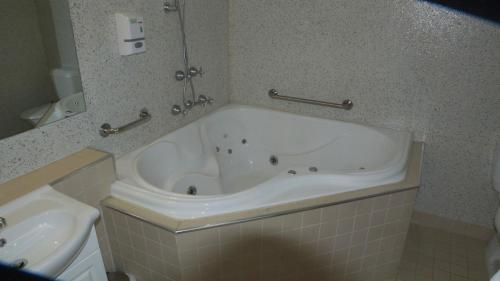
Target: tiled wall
(361, 240)
(90, 185)
(406, 64)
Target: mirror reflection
(40, 80)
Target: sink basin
(45, 232)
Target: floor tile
(435, 255)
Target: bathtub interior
(240, 148)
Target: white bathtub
(226, 158)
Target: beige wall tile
(375, 233)
(311, 217)
(359, 237)
(170, 255)
(330, 213)
(378, 217)
(230, 233)
(362, 221)
(347, 210)
(292, 221)
(347, 241)
(154, 249)
(167, 238)
(309, 234)
(151, 232)
(342, 241)
(345, 226)
(380, 202)
(272, 225)
(207, 237)
(186, 241)
(328, 229)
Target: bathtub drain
(273, 160)
(19, 264)
(192, 190)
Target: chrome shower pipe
(187, 75)
(181, 12)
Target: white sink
(45, 228)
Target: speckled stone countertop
(411, 181)
(49, 174)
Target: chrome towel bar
(107, 130)
(346, 104)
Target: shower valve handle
(193, 71)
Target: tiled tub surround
(411, 181)
(359, 240)
(405, 64)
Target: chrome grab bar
(107, 130)
(346, 104)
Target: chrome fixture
(19, 263)
(273, 160)
(188, 105)
(189, 72)
(169, 7)
(346, 104)
(107, 130)
(180, 75)
(192, 72)
(192, 190)
(3, 224)
(204, 100)
(176, 110)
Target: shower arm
(182, 17)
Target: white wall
(406, 64)
(116, 87)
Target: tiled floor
(436, 255)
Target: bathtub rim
(399, 164)
(179, 226)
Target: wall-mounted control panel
(131, 38)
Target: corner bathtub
(242, 158)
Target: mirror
(39, 79)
